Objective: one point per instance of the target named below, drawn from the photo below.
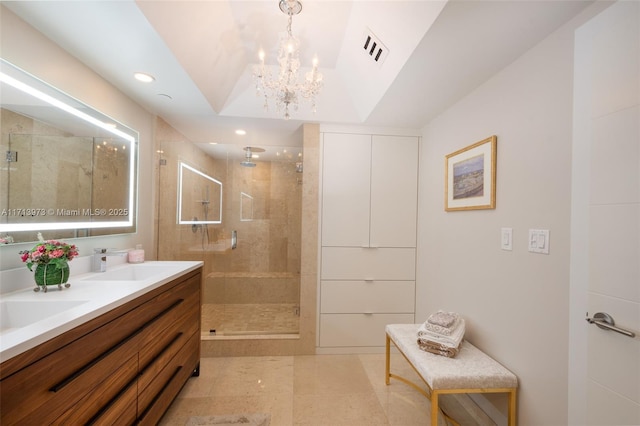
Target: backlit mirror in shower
(199, 197)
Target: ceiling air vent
(374, 48)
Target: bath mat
(231, 420)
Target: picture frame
(470, 177)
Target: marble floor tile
(307, 390)
(255, 376)
(330, 374)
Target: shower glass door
(240, 215)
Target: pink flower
(56, 253)
(72, 253)
(50, 251)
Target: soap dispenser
(136, 255)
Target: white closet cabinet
(346, 190)
(369, 190)
(368, 237)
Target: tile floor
(310, 390)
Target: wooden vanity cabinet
(124, 367)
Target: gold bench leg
(434, 408)
(512, 407)
(387, 366)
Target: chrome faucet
(99, 263)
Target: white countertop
(98, 298)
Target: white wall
(516, 303)
(30, 50)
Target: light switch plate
(539, 241)
(506, 239)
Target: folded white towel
(445, 331)
(443, 319)
(452, 341)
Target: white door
(604, 370)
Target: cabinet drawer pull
(163, 313)
(95, 361)
(113, 400)
(162, 351)
(159, 394)
(58, 387)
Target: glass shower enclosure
(238, 209)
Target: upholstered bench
(471, 371)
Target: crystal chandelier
(286, 90)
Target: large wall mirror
(66, 169)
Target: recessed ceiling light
(241, 132)
(143, 77)
(213, 143)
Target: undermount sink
(132, 273)
(21, 313)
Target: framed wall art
(470, 177)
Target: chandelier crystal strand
(285, 90)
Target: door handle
(234, 239)
(606, 322)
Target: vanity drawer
(110, 401)
(155, 355)
(184, 312)
(342, 297)
(165, 385)
(57, 382)
(344, 330)
(123, 411)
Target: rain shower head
(249, 156)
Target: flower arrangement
(50, 252)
